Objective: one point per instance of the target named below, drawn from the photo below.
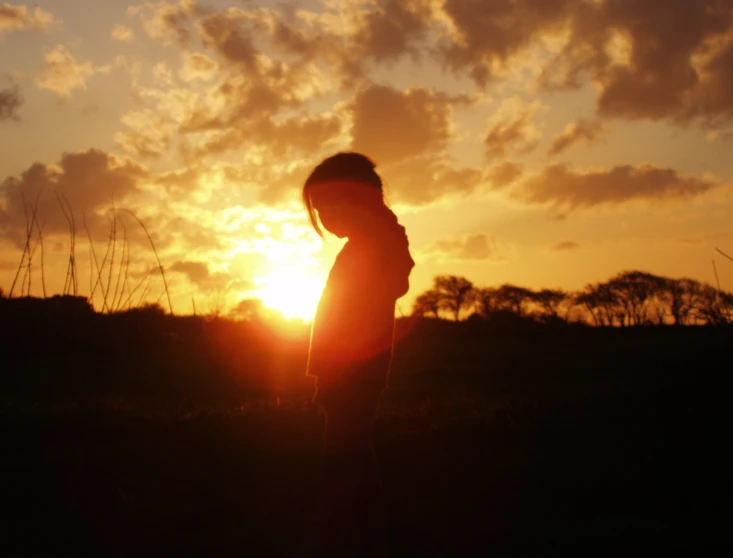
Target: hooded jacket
(352, 334)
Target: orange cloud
(271, 184)
(191, 233)
(391, 125)
(488, 34)
(199, 274)
(513, 130)
(677, 67)
(148, 135)
(426, 179)
(21, 18)
(281, 139)
(62, 73)
(88, 179)
(353, 37)
(473, 247)
(561, 186)
(392, 29)
(164, 20)
(565, 246)
(197, 66)
(580, 132)
(504, 174)
(10, 101)
(122, 33)
(229, 36)
(662, 78)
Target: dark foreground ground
(563, 443)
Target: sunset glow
(518, 144)
(292, 291)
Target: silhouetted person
(351, 350)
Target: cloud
(148, 135)
(391, 125)
(21, 18)
(88, 179)
(348, 38)
(561, 186)
(676, 67)
(122, 33)
(10, 101)
(565, 246)
(426, 179)
(266, 183)
(166, 20)
(240, 110)
(190, 232)
(504, 174)
(62, 73)
(474, 247)
(197, 66)
(513, 130)
(151, 129)
(487, 35)
(230, 36)
(663, 77)
(197, 272)
(579, 132)
(393, 28)
(651, 59)
(353, 37)
(280, 139)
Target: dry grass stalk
(71, 284)
(157, 257)
(26, 248)
(112, 258)
(724, 254)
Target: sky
(544, 143)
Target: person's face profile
(342, 208)
(333, 207)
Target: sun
(292, 290)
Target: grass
(145, 433)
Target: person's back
(354, 324)
(351, 348)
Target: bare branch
(724, 254)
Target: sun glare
(292, 291)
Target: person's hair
(346, 165)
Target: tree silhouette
(633, 292)
(629, 298)
(550, 302)
(484, 301)
(454, 293)
(515, 299)
(678, 298)
(602, 304)
(713, 306)
(247, 309)
(427, 303)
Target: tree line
(630, 298)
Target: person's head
(344, 191)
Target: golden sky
(545, 143)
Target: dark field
(145, 434)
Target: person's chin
(336, 233)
